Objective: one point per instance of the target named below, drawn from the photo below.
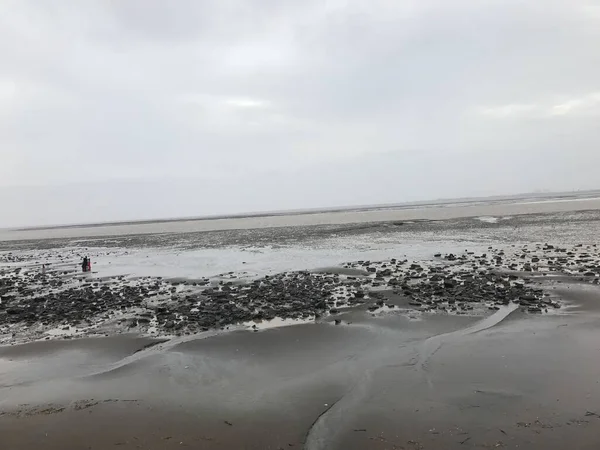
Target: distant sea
(427, 210)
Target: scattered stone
(448, 284)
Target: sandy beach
(478, 331)
(299, 225)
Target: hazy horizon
(145, 109)
(329, 208)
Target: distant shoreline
(350, 208)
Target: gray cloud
(227, 106)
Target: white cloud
(216, 101)
(247, 103)
(8, 90)
(585, 105)
(591, 10)
(509, 111)
(138, 90)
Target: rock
(449, 283)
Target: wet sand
(510, 380)
(401, 368)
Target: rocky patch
(453, 283)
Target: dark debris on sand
(450, 283)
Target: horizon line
(303, 211)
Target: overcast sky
(134, 109)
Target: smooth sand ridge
(327, 423)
